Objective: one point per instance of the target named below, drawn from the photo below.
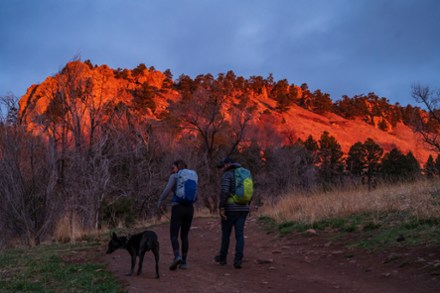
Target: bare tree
(429, 127)
(216, 124)
(29, 204)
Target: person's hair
(180, 164)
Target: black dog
(137, 245)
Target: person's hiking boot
(176, 262)
(219, 259)
(183, 265)
(237, 264)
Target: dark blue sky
(339, 46)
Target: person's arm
(225, 188)
(168, 188)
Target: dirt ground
(296, 263)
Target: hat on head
(226, 160)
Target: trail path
(296, 263)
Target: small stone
(311, 232)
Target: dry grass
(420, 200)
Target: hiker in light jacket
(232, 215)
(181, 218)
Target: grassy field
(55, 268)
(406, 212)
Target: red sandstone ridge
(97, 87)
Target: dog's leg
(141, 260)
(133, 263)
(156, 257)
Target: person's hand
(159, 211)
(222, 214)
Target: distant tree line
(87, 162)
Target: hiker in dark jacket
(181, 218)
(232, 215)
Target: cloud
(341, 46)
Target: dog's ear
(114, 236)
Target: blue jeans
(236, 220)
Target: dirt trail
(297, 263)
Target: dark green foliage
(437, 164)
(311, 146)
(330, 159)
(281, 93)
(383, 125)
(321, 102)
(89, 63)
(143, 98)
(168, 82)
(305, 100)
(364, 160)
(139, 70)
(356, 160)
(397, 166)
(186, 86)
(373, 157)
(257, 83)
(122, 73)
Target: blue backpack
(186, 187)
(244, 186)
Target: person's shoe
(183, 266)
(176, 262)
(220, 260)
(237, 264)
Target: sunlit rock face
(92, 89)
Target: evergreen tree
(144, 98)
(374, 154)
(430, 169)
(383, 125)
(397, 166)
(139, 70)
(437, 164)
(356, 161)
(330, 159)
(413, 170)
(283, 102)
(364, 160)
(168, 82)
(185, 86)
(392, 165)
(321, 102)
(311, 147)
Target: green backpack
(244, 186)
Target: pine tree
(374, 154)
(397, 166)
(437, 164)
(330, 159)
(430, 169)
(143, 98)
(356, 160)
(311, 147)
(393, 164)
(413, 167)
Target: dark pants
(181, 219)
(236, 220)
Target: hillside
(100, 88)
